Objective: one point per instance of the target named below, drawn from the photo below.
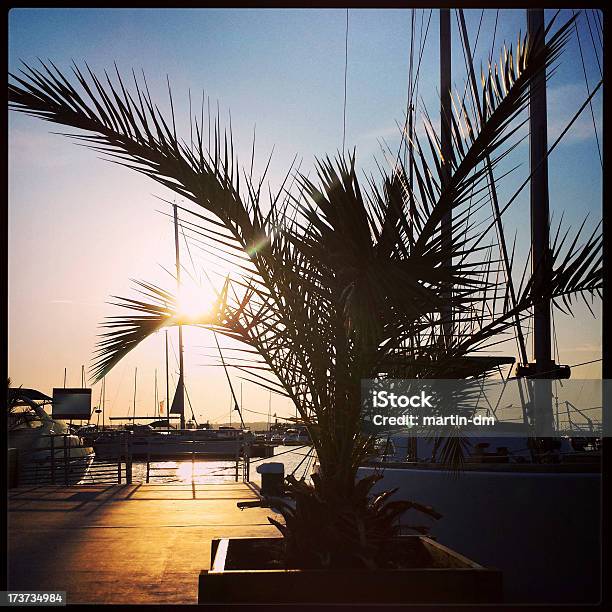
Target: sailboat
(47, 450)
(526, 503)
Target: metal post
(180, 327)
(192, 456)
(66, 460)
(52, 439)
(237, 459)
(119, 449)
(167, 386)
(128, 459)
(135, 377)
(540, 248)
(447, 153)
(148, 459)
(247, 462)
(103, 399)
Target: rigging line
(236, 407)
(345, 79)
(266, 414)
(173, 351)
(494, 36)
(188, 249)
(416, 76)
(473, 51)
(118, 387)
(297, 467)
(586, 14)
(415, 85)
(598, 26)
(409, 95)
(190, 123)
(586, 81)
(526, 181)
(554, 334)
(577, 365)
(293, 449)
(189, 400)
(491, 185)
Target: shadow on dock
(124, 544)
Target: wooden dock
(124, 544)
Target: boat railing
(65, 459)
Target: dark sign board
(72, 404)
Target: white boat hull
(543, 530)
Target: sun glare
(195, 302)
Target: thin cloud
(563, 103)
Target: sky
(81, 228)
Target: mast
(181, 382)
(540, 250)
(269, 410)
(156, 408)
(167, 385)
(447, 152)
(134, 413)
(103, 399)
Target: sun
(195, 302)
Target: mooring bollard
(272, 478)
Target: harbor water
(295, 459)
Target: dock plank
(124, 544)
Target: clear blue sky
(80, 228)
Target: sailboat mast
(540, 250)
(156, 408)
(181, 383)
(135, 378)
(167, 385)
(446, 151)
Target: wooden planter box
(240, 573)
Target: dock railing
(67, 460)
(237, 462)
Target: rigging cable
(586, 81)
(532, 172)
(345, 80)
(184, 386)
(586, 14)
(408, 120)
(469, 64)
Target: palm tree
(336, 282)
